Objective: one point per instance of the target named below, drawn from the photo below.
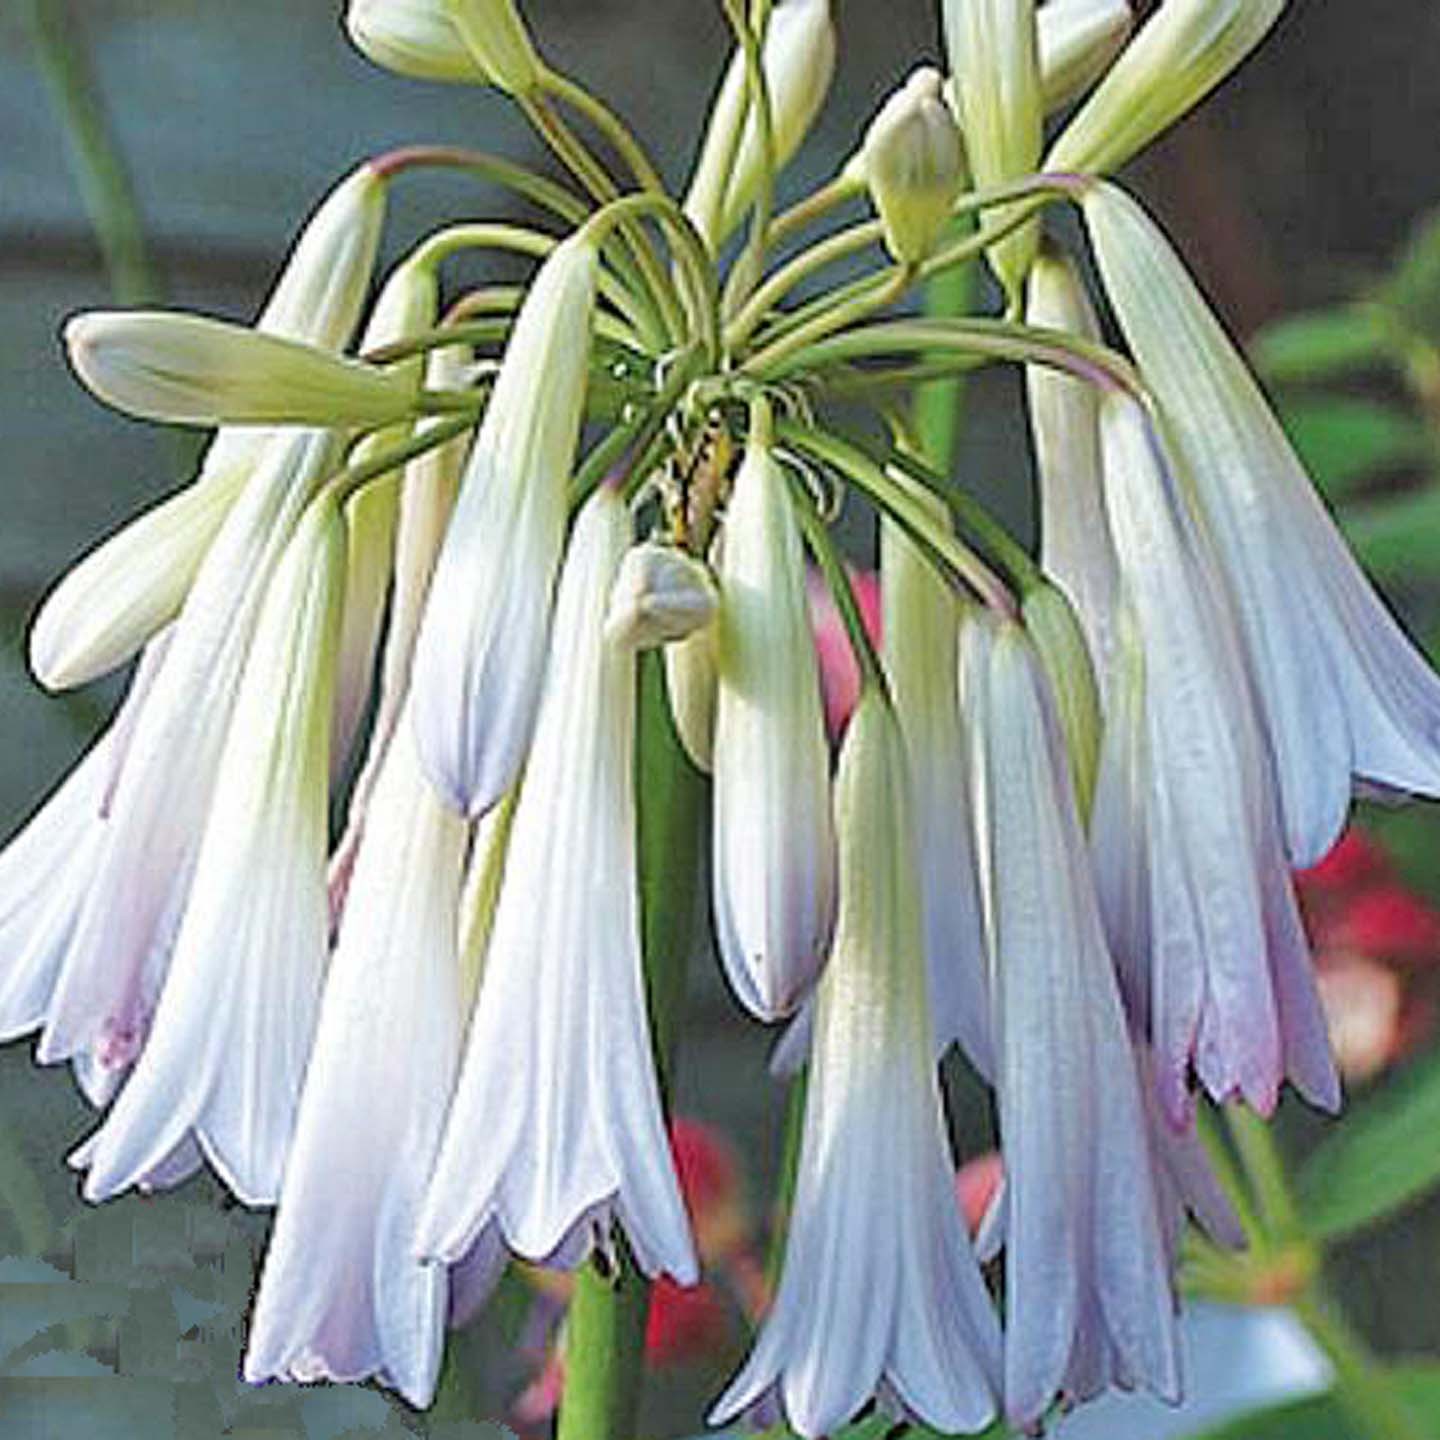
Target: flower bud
(191, 370)
(661, 594)
(411, 37)
(498, 41)
(691, 682)
(914, 164)
(995, 61)
(1052, 624)
(799, 59)
(1078, 40)
(1176, 60)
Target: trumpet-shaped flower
(133, 584)
(191, 370)
(427, 497)
(232, 1031)
(1078, 40)
(995, 69)
(480, 656)
(1180, 55)
(914, 165)
(1075, 551)
(1088, 1292)
(1188, 852)
(412, 37)
(343, 1295)
(880, 1295)
(661, 595)
(1342, 691)
(774, 861)
(921, 651)
(555, 1134)
(119, 950)
(799, 60)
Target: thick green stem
(605, 1332)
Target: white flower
(995, 68)
(921, 639)
(120, 946)
(914, 165)
(1078, 40)
(692, 684)
(342, 1295)
(481, 650)
(1342, 691)
(134, 583)
(412, 37)
(1089, 1299)
(1188, 853)
(799, 60)
(231, 1034)
(427, 496)
(774, 846)
(555, 1134)
(661, 595)
(1075, 549)
(1180, 55)
(880, 1295)
(192, 370)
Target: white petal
(556, 1130)
(480, 657)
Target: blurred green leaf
(1325, 344)
(1397, 540)
(1344, 441)
(1382, 1159)
(1322, 1417)
(1413, 290)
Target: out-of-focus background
(1301, 187)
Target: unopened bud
(498, 41)
(1078, 40)
(914, 164)
(1053, 626)
(661, 594)
(412, 37)
(1183, 52)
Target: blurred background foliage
(169, 149)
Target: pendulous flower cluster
(1059, 835)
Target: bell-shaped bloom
(133, 584)
(192, 370)
(231, 1034)
(880, 1296)
(661, 595)
(480, 656)
(914, 165)
(1342, 691)
(1075, 551)
(342, 1295)
(407, 305)
(774, 846)
(1179, 56)
(995, 70)
(412, 37)
(799, 60)
(555, 1135)
(921, 631)
(427, 497)
(1189, 857)
(119, 950)
(1089, 1300)
(1078, 40)
(498, 41)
